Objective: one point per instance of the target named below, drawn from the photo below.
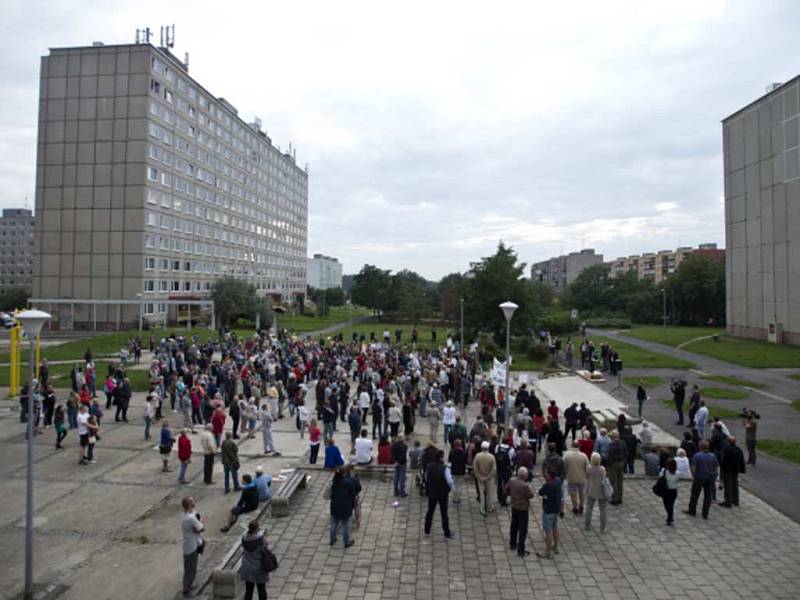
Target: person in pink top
(218, 424)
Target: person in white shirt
(191, 527)
(149, 413)
(83, 432)
(700, 419)
(363, 449)
(364, 404)
(449, 419)
(683, 466)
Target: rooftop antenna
(186, 61)
(161, 45)
(171, 36)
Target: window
(176, 265)
(149, 240)
(154, 130)
(162, 307)
(162, 285)
(149, 308)
(149, 263)
(149, 285)
(155, 86)
(187, 286)
(163, 264)
(175, 286)
(166, 179)
(152, 218)
(168, 96)
(187, 266)
(152, 174)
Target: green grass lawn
(739, 351)
(796, 376)
(796, 405)
(304, 323)
(723, 393)
(650, 381)
(713, 411)
(671, 336)
(732, 380)
(634, 357)
(787, 450)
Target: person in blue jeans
(344, 495)
(400, 458)
(704, 468)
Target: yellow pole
(38, 354)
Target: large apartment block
(148, 184)
(324, 272)
(560, 271)
(658, 266)
(761, 145)
(16, 249)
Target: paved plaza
(111, 530)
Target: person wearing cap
(484, 468)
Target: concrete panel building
(324, 272)
(560, 271)
(761, 145)
(16, 249)
(658, 266)
(146, 183)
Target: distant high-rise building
(147, 184)
(761, 147)
(658, 266)
(16, 249)
(560, 271)
(324, 272)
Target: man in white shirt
(191, 527)
(83, 433)
(700, 419)
(363, 449)
(363, 404)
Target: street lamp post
(508, 309)
(462, 325)
(32, 322)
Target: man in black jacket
(248, 502)
(731, 465)
(571, 420)
(439, 483)
(678, 389)
(400, 458)
(123, 397)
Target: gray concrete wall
(762, 215)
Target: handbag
(608, 490)
(269, 562)
(660, 486)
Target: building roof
(761, 98)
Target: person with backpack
(504, 457)
(254, 569)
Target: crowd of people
(379, 395)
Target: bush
(538, 352)
(487, 343)
(521, 344)
(608, 323)
(557, 322)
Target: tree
(495, 279)
(451, 290)
(263, 308)
(233, 299)
(589, 291)
(371, 288)
(697, 290)
(14, 298)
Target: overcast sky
(434, 129)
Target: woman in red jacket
(218, 424)
(384, 451)
(184, 454)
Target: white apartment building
(324, 272)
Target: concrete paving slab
(63, 465)
(15, 456)
(13, 493)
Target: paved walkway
(774, 480)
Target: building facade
(761, 147)
(16, 249)
(148, 184)
(324, 272)
(560, 271)
(658, 266)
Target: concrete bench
(280, 499)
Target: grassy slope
(635, 357)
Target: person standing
(314, 440)
(266, 430)
(704, 468)
(731, 465)
(750, 429)
(253, 574)
(192, 526)
(230, 462)
(344, 495)
(123, 396)
(394, 417)
(83, 433)
(207, 443)
(694, 403)
(218, 424)
(672, 477)
(617, 455)
(59, 418)
(641, 396)
(551, 506)
(678, 389)
(434, 418)
(400, 458)
(595, 475)
(449, 420)
(520, 493)
(184, 454)
(354, 423)
(149, 413)
(439, 483)
(576, 466)
(458, 467)
(700, 418)
(504, 460)
(484, 468)
(235, 413)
